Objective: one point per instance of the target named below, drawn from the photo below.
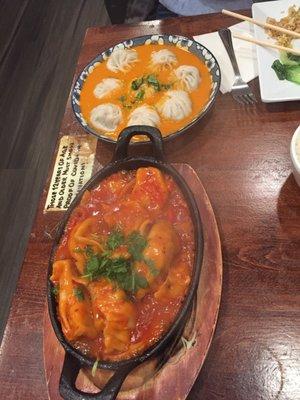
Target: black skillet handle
(153, 134)
(69, 373)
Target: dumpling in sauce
(176, 283)
(176, 105)
(144, 115)
(150, 189)
(106, 117)
(121, 60)
(163, 59)
(75, 313)
(162, 247)
(189, 77)
(114, 314)
(106, 86)
(80, 237)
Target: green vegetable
(288, 72)
(140, 95)
(123, 101)
(55, 290)
(135, 85)
(133, 282)
(115, 239)
(279, 69)
(120, 270)
(136, 244)
(78, 293)
(152, 268)
(95, 266)
(289, 58)
(153, 81)
(292, 74)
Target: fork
(240, 91)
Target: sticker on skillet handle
(73, 168)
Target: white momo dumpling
(106, 86)
(189, 76)
(144, 115)
(163, 58)
(121, 59)
(176, 104)
(106, 117)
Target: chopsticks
(267, 44)
(262, 24)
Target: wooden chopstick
(266, 44)
(262, 24)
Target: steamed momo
(106, 86)
(164, 86)
(106, 117)
(188, 76)
(176, 105)
(121, 60)
(163, 59)
(144, 115)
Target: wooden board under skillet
(175, 378)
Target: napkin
(245, 53)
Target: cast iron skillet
(73, 358)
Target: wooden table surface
(242, 157)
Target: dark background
(39, 45)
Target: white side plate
(271, 88)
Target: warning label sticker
(73, 168)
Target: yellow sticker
(73, 168)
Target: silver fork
(240, 91)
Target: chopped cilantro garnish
(122, 99)
(78, 293)
(120, 270)
(140, 95)
(166, 86)
(115, 239)
(135, 85)
(55, 290)
(153, 81)
(136, 244)
(151, 265)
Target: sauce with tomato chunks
(124, 264)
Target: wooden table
(242, 157)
